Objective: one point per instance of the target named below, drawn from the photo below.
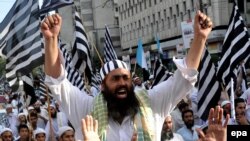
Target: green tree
(2, 66)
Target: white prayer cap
(38, 102)
(41, 97)
(63, 129)
(39, 131)
(223, 103)
(9, 106)
(21, 114)
(31, 108)
(112, 65)
(52, 105)
(4, 130)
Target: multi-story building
(95, 15)
(146, 19)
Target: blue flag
(140, 56)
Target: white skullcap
(4, 130)
(41, 97)
(63, 130)
(112, 65)
(223, 103)
(21, 114)
(39, 131)
(52, 105)
(9, 106)
(31, 108)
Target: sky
(5, 6)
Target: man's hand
(202, 25)
(216, 131)
(242, 120)
(90, 129)
(51, 25)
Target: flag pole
(232, 100)
(135, 67)
(49, 112)
(98, 54)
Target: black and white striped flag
(209, 89)
(81, 57)
(160, 73)
(236, 48)
(109, 52)
(43, 89)
(73, 75)
(50, 5)
(96, 80)
(28, 87)
(20, 41)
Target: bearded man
(122, 113)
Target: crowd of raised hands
(217, 128)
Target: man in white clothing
(167, 131)
(188, 132)
(119, 111)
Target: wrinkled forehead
(118, 72)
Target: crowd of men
(125, 108)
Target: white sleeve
(75, 103)
(165, 96)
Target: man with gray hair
(120, 111)
(167, 133)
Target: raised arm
(202, 28)
(50, 28)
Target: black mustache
(121, 87)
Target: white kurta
(163, 99)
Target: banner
(187, 32)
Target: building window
(168, 22)
(171, 12)
(189, 14)
(177, 10)
(153, 18)
(145, 4)
(159, 16)
(150, 4)
(136, 10)
(175, 21)
(184, 7)
(182, 18)
(192, 5)
(155, 2)
(165, 14)
(132, 9)
(157, 26)
(140, 6)
(162, 23)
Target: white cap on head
(21, 114)
(63, 129)
(4, 130)
(41, 97)
(112, 65)
(52, 105)
(223, 103)
(8, 106)
(31, 108)
(38, 131)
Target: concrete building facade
(95, 15)
(147, 19)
